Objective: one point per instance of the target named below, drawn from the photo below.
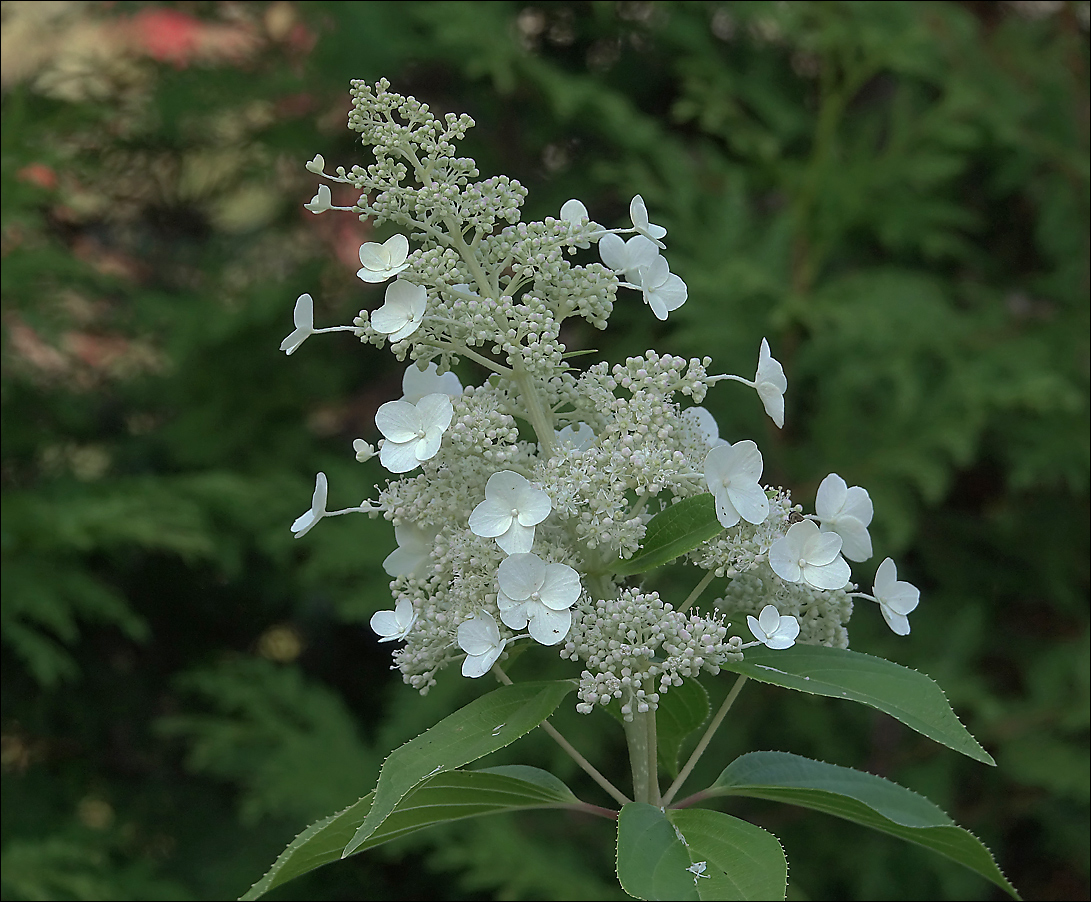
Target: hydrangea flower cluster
(518, 501)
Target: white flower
(364, 450)
(847, 512)
(576, 437)
(639, 213)
(413, 431)
(304, 324)
(772, 629)
(575, 213)
(402, 311)
(705, 423)
(480, 638)
(896, 598)
(322, 201)
(379, 262)
(317, 165)
(627, 256)
(663, 290)
(732, 473)
(304, 523)
(510, 511)
(416, 383)
(413, 553)
(537, 594)
(393, 626)
(806, 553)
(771, 384)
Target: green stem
(570, 749)
(697, 590)
(705, 740)
(641, 739)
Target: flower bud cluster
(636, 646)
(517, 502)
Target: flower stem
(705, 740)
(641, 739)
(697, 590)
(570, 749)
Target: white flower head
(379, 262)
(413, 432)
(322, 201)
(627, 256)
(663, 290)
(480, 638)
(805, 553)
(393, 626)
(773, 629)
(537, 595)
(896, 597)
(303, 315)
(732, 473)
(847, 512)
(416, 383)
(705, 423)
(771, 384)
(575, 213)
(638, 210)
(413, 553)
(402, 311)
(510, 511)
(304, 523)
(364, 450)
(317, 165)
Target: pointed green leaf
(483, 726)
(908, 695)
(445, 797)
(681, 711)
(680, 528)
(859, 797)
(696, 854)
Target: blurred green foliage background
(896, 194)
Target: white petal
(399, 458)
(295, 338)
(435, 411)
(513, 613)
(784, 560)
(303, 314)
(899, 623)
(858, 504)
(769, 619)
(750, 500)
(533, 505)
(396, 248)
(857, 541)
(416, 383)
(520, 575)
(479, 634)
(821, 547)
(517, 540)
(304, 523)
(725, 510)
(503, 487)
(548, 626)
(612, 252)
(833, 575)
(561, 587)
(573, 211)
(428, 447)
(490, 519)
(398, 421)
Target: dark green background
(895, 194)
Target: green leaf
(450, 796)
(660, 856)
(680, 528)
(859, 797)
(908, 695)
(484, 725)
(681, 711)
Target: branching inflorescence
(521, 501)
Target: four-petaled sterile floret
(773, 629)
(732, 473)
(480, 638)
(510, 511)
(896, 597)
(805, 553)
(538, 596)
(379, 262)
(847, 512)
(393, 626)
(413, 432)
